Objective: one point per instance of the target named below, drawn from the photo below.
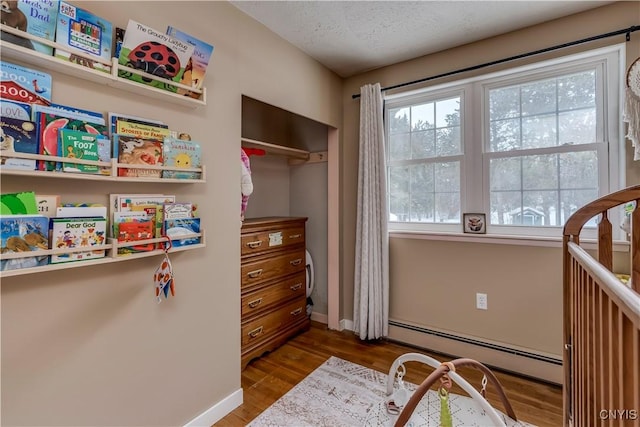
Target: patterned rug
(341, 393)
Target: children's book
(23, 203)
(47, 204)
(23, 233)
(175, 228)
(152, 52)
(75, 144)
(76, 233)
(112, 120)
(15, 109)
(197, 66)
(88, 115)
(81, 211)
(81, 30)
(134, 229)
(138, 151)
(140, 129)
(19, 136)
(118, 41)
(154, 212)
(24, 84)
(36, 17)
(181, 154)
(50, 123)
(178, 210)
(126, 202)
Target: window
(528, 146)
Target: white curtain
(371, 281)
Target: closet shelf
(49, 62)
(280, 150)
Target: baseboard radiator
(539, 366)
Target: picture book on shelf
(133, 229)
(75, 144)
(36, 17)
(181, 153)
(23, 233)
(197, 66)
(140, 129)
(24, 84)
(112, 120)
(138, 151)
(178, 211)
(15, 109)
(176, 228)
(90, 34)
(49, 124)
(127, 202)
(152, 52)
(18, 136)
(22, 203)
(77, 233)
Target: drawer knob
(295, 236)
(296, 311)
(296, 286)
(255, 273)
(256, 332)
(255, 303)
(255, 244)
(296, 261)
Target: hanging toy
(163, 277)
(443, 393)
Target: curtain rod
(626, 31)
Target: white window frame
(474, 179)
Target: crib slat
(605, 242)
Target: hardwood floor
(267, 378)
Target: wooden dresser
(273, 289)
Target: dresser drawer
(269, 324)
(270, 296)
(264, 241)
(266, 268)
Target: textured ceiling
(351, 37)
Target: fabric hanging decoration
(631, 114)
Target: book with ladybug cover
(150, 51)
(49, 120)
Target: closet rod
(626, 31)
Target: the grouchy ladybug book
(151, 51)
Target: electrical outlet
(481, 301)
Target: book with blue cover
(23, 233)
(84, 31)
(18, 136)
(36, 17)
(197, 66)
(24, 84)
(178, 227)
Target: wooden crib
(601, 322)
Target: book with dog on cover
(36, 17)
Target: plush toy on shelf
(246, 185)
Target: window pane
(398, 193)
(572, 200)
(506, 174)
(448, 208)
(579, 170)
(422, 189)
(539, 131)
(422, 117)
(447, 177)
(448, 113)
(423, 144)
(538, 97)
(504, 103)
(398, 120)
(399, 146)
(577, 91)
(540, 172)
(539, 208)
(577, 127)
(505, 135)
(448, 141)
(502, 204)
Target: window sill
(501, 239)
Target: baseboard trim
(346, 324)
(217, 411)
(319, 317)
